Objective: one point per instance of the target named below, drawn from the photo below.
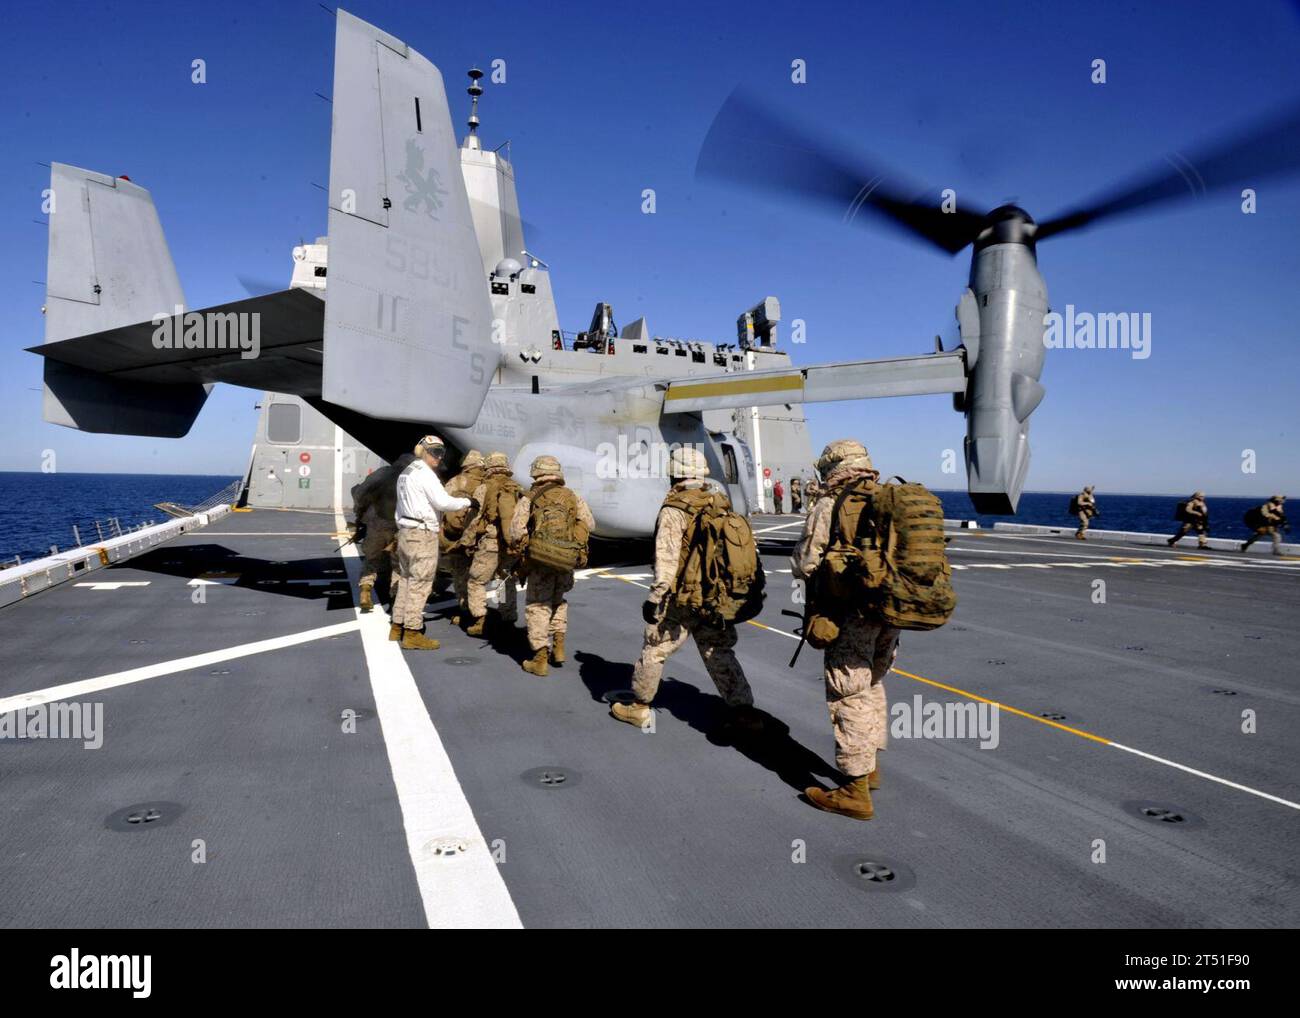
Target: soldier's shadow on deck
(320, 577)
(775, 749)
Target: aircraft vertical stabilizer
(407, 316)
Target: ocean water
(38, 510)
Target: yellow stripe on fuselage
(732, 387)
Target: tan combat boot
(476, 627)
(873, 779)
(413, 639)
(367, 600)
(557, 649)
(536, 665)
(850, 800)
(635, 713)
(395, 631)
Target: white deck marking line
(1216, 556)
(460, 891)
(782, 526)
(73, 690)
(113, 584)
(1007, 551)
(1094, 738)
(1203, 774)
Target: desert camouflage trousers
(376, 562)
(455, 563)
(1202, 532)
(1274, 532)
(483, 568)
(417, 562)
(545, 611)
(717, 649)
(1084, 519)
(856, 664)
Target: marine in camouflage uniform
(667, 629)
(1087, 510)
(546, 613)
(454, 559)
(484, 543)
(796, 495)
(1273, 515)
(856, 663)
(374, 504)
(1199, 521)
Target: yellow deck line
(1002, 706)
(1034, 717)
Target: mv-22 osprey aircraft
(416, 312)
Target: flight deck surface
(327, 779)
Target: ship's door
(267, 489)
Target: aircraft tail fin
(108, 267)
(408, 319)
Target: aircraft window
(500, 289)
(697, 356)
(284, 423)
(662, 349)
(528, 287)
(418, 125)
(320, 270)
(730, 472)
(680, 352)
(638, 348)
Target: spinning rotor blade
(1268, 149)
(752, 146)
(255, 287)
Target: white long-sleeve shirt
(421, 498)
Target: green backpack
(557, 539)
(886, 554)
(719, 577)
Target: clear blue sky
(603, 100)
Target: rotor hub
(1007, 224)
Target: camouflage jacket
(1273, 513)
(479, 533)
(811, 549)
(670, 532)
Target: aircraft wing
(821, 383)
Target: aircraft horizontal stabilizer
(822, 383)
(268, 342)
(108, 267)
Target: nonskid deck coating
(301, 825)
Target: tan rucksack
(719, 577)
(452, 528)
(886, 556)
(557, 538)
(499, 500)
